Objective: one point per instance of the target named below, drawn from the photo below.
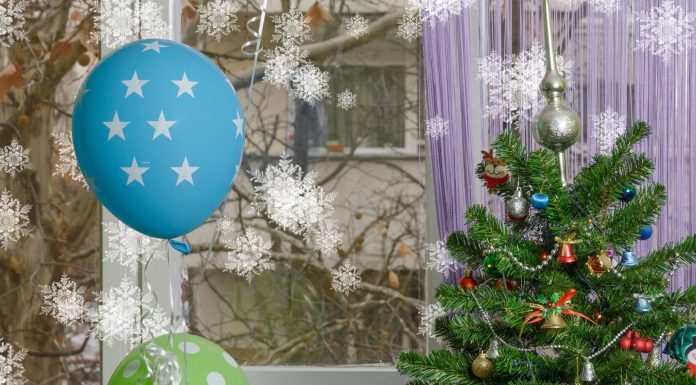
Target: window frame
(111, 274)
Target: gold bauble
(482, 367)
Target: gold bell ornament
(554, 322)
(482, 367)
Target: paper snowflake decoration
(152, 24)
(607, 127)
(513, 82)
(428, 315)
(345, 279)
(128, 247)
(249, 255)
(118, 22)
(437, 127)
(295, 203)
(123, 314)
(64, 301)
(14, 158)
(224, 225)
(439, 260)
(409, 26)
(310, 84)
(14, 220)
(291, 28)
(67, 162)
(356, 26)
(346, 100)
(11, 21)
(11, 365)
(607, 7)
(666, 30)
(282, 63)
(433, 11)
(218, 18)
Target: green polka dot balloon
(206, 363)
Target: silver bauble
(493, 351)
(517, 207)
(588, 373)
(556, 127)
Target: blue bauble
(646, 232)
(628, 193)
(159, 135)
(540, 201)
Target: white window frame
(111, 275)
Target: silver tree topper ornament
(556, 127)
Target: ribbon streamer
(561, 304)
(162, 366)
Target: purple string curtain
(630, 56)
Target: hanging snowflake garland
(11, 365)
(249, 255)
(437, 127)
(513, 82)
(310, 84)
(295, 203)
(14, 158)
(218, 18)
(439, 260)
(67, 162)
(224, 225)
(428, 315)
(129, 248)
(64, 301)
(291, 28)
(666, 30)
(14, 220)
(282, 63)
(433, 11)
(607, 127)
(409, 26)
(11, 21)
(356, 26)
(152, 24)
(345, 279)
(346, 100)
(118, 22)
(607, 7)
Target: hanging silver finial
(556, 126)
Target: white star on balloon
(153, 46)
(185, 172)
(239, 123)
(135, 173)
(116, 127)
(185, 86)
(135, 85)
(161, 126)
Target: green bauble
(490, 265)
(680, 342)
(206, 363)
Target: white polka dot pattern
(189, 347)
(131, 369)
(215, 378)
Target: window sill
(320, 375)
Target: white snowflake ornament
(152, 24)
(14, 220)
(14, 158)
(11, 21)
(11, 365)
(607, 7)
(118, 22)
(346, 100)
(67, 162)
(607, 127)
(282, 63)
(224, 225)
(437, 127)
(218, 18)
(310, 84)
(428, 315)
(345, 279)
(666, 30)
(129, 248)
(249, 255)
(434, 11)
(439, 260)
(356, 26)
(291, 28)
(409, 26)
(64, 301)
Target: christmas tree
(558, 295)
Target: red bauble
(509, 284)
(626, 341)
(468, 283)
(637, 343)
(649, 345)
(544, 255)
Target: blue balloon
(159, 136)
